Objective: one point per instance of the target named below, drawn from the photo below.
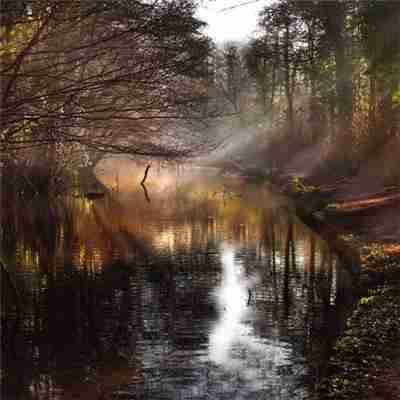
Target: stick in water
(145, 174)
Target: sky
(231, 24)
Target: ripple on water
(191, 296)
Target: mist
(193, 211)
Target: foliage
(365, 348)
(14, 38)
(326, 77)
(110, 76)
(378, 264)
(298, 187)
(396, 96)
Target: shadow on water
(211, 289)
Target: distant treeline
(323, 73)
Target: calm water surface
(212, 290)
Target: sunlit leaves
(13, 40)
(396, 97)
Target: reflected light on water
(190, 296)
(233, 332)
(232, 298)
(232, 341)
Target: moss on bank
(366, 349)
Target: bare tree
(107, 76)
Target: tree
(263, 68)
(379, 25)
(280, 24)
(230, 78)
(115, 76)
(281, 57)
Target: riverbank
(365, 363)
(363, 227)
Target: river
(210, 288)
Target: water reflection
(244, 355)
(211, 290)
(232, 296)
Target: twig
(146, 194)
(145, 174)
(241, 4)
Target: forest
(317, 87)
(322, 79)
(307, 108)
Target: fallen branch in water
(145, 174)
(146, 194)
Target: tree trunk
(264, 90)
(372, 106)
(288, 86)
(315, 115)
(344, 87)
(273, 88)
(334, 18)
(275, 67)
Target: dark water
(212, 290)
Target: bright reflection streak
(232, 342)
(232, 298)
